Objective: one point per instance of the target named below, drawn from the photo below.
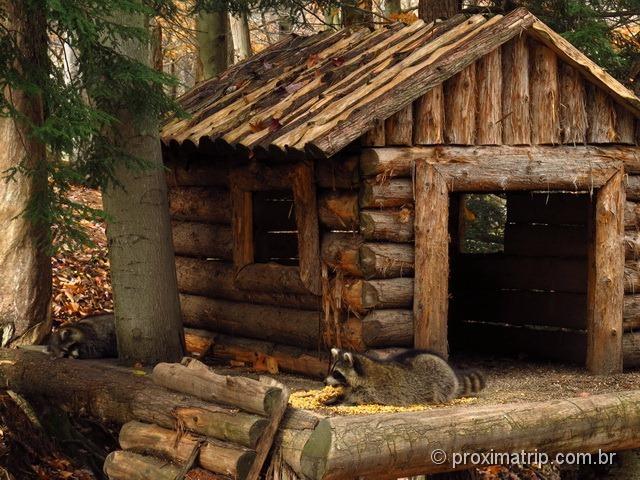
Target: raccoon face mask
(343, 369)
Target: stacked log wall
(263, 302)
(519, 94)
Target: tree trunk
(391, 7)
(25, 267)
(147, 309)
(357, 13)
(213, 39)
(241, 36)
(430, 10)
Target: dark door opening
(519, 273)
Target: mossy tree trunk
(147, 309)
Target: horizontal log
(631, 216)
(399, 161)
(197, 173)
(497, 271)
(121, 465)
(349, 254)
(271, 277)
(216, 279)
(283, 325)
(632, 277)
(338, 210)
(631, 349)
(358, 446)
(633, 187)
(631, 312)
(632, 245)
(389, 162)
(341, 252)
(217, 457)
(550, 208)
(240, 392)
(388, 328)
(482, 169)
(386, 260)
(386, 193)
(202, 240)
(338, 172)
(363, 295)
(545, 240)
(108, 393)
(258, 177)
(258, 353)
(200, 204)
(387, 225)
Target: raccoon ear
(348, 357)
(334, 353)
(64, 334)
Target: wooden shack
(318, 191)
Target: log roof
(317, 94)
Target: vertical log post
(489, 76)
(516, 124)
(606, 289)
(428, 118)
(460, 107)
(304, 193)
(242, 225)
(399, 127)
(573, 110)
(431, 286)
(545, 119)
(601, 115)
(375, 137)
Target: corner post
(606, 287)
(431, 285)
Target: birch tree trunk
(25, 267)
(147, 309)
(214, 39)
(241, 36)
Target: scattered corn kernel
(317, 400)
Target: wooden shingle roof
(317, 94)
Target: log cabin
(320, 191)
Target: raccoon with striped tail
(409, 378)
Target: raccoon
(411, 377)
(92, 337)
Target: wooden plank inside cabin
(545, 240)
(561, 345)
(566, 310)
(498, 271)
(548, 207)
(276, 247)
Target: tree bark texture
(25, 266)
(145, 291)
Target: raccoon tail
(471, 382)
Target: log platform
(525, 407)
